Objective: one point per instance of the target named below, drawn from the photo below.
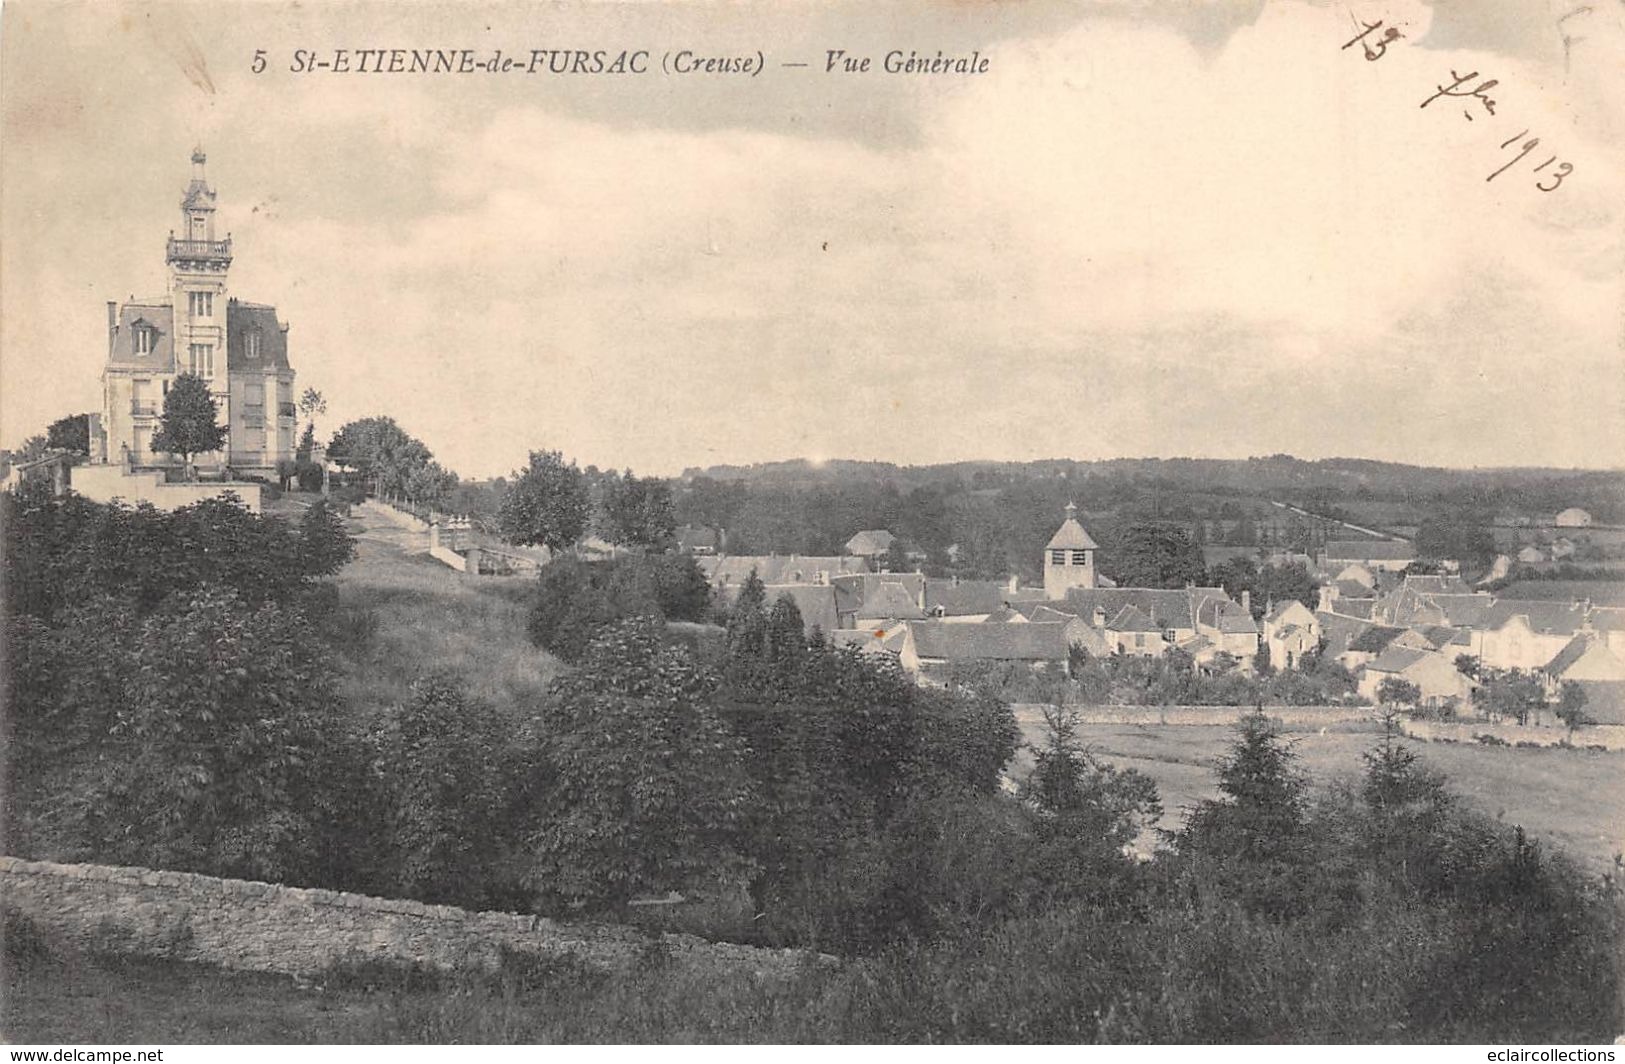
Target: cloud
(1217, 233)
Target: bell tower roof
(1071, 536)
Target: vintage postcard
(1043, 522)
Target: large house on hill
(239, 348)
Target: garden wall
(1607, 736)
(1288, 716)
(266, 927)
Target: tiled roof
(1463, 611)
(891, 601)
(852, 590)
(1608, 619)
(816, 603)
(1131, 619)
(777, 568)
(244, 319)
(1340, 631)
(1226, 616)
(1008, 615)
(1396, 659)
(989, 642)
(156, 316)
(1375, 639)
(870, 541)
(1071, 536)
(1546, 616)
(1353, 589)
(974, 596)
(1572, 652)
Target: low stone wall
(1206, 716)
(266, 927)
(109, 483)
(389, 513)
(1607, 736)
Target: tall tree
(70, 433)
(546, 503)
(1156, 554)
(637, 511)
(188, 426)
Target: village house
(871, 543)
(730, 570)
(1437, 679)
(932, 648)
(1393, 555)
(697, 540)
(1290, 631)
(866, 596)
(1586, 658)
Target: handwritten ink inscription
(1473, 90)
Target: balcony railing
(212, 250)
(140, 409)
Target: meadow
(1572, 798)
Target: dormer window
(144, 337)
(251, 343)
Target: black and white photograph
(587, 522)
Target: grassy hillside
(404, 613)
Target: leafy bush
(644, 786)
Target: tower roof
(1071, 536)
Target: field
(1572, 798)
(404, 612)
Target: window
(254, 404)
(143, 441)
(144, 337)
(201, 304)
(202, 360)
(251, 343)
(1080, 557)
(1057, 557)
(1139, 639)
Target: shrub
(645, 787)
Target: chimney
(112, 325)
(1099, 617)
(1328, 595)
(1014, 585)
(1247, 601)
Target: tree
(70, 433)
(545, 504)
(637, 511)
(1087, 812)
(188, 426)
(1393, 691)
(447, 787)
(325, 544)
(1571, 707)
(646, 788)
(311, 404)
(1156, 554)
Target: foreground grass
(1573, 798)
(402, 613)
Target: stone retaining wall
(1207, 716)
(266, 927)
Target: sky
(1150, 229)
